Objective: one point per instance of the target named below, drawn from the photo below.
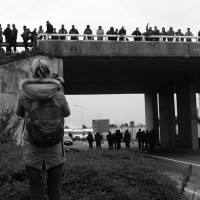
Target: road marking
(173, 160)
(192, 192)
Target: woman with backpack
(44, 107)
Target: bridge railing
(126, 38)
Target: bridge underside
(156, 69)
(123, 75)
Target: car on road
(67, 140)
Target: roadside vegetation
(89, 175)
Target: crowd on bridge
(146, 139)
(113, 34)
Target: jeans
(36, 184)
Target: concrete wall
(11, 74)
(121, 49)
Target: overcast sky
(128, 13)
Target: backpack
(45, 123)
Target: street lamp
(81, 113)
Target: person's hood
(37, 89)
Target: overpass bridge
(157, 69)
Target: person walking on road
(98, 138)
(127, 139)
(90, 140)
(110, 139)
(118, 138)
(139, 138)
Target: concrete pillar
(167, 116)
(151, 112)
(187, 113)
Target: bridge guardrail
(161, 38)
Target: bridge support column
(187, 113)
(151, 113)
(167, 116)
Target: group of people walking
(146, 139)
(114, 140)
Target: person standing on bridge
(74, 31)
(63, 31)
(137, 33)
(49, 28)
(40, 31)
(156, 32)
(110, 32)
(88, 31)
(170, 32)
(13, 38)
(179, 33)
(122, 32)
(188, 33)
(100, 31)
(163, 32)
(1, 35)
(7, 34)
(26, 36)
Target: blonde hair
(40, 69)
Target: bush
(92, 175)
(8, 124)
(115, 175)
(13, 180)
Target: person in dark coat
(127, 139)
(90, 140)
(138, 34)
(13, 37)
(98, 138)
(122, 32)
(143, 139)
(111, 32)
(26, 36)
(139, 138)
(157, 33)
(118, 137)
(88, 31)
(110, 139)
(149, 32)
(74, 31)
(49, 28)
(152, 140)
(7, 34)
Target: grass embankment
(93, 175)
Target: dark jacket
(7, 33)
(14, 33)
(90, 138)
(127, 137)
(26, 34)
(49, 28)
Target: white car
(67, 140)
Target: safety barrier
(126, 38)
